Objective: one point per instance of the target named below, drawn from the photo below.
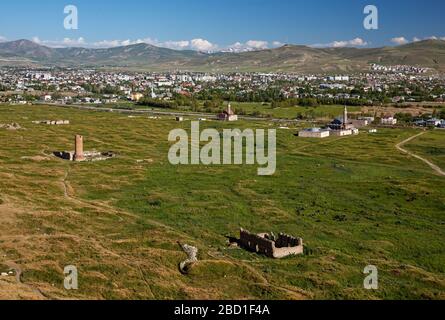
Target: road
(432, 165)
(159, 113)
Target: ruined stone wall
(284, 246)
(65, 155)
(287, 245)
(279, 253)
(285, 240)
(256, 243)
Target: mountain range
(288, 58)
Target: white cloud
(417, 39)
(357, 42)
(107, 43)
(277, 44)
(252, 45)
(257, 44)
(74, 42)
(399, 40)
(177, 45)
(66, 42)
(3, 39)
(197, 44)
(202, 45)
(120, 43)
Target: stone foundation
(80, 156)
(53, 122)
(87, 155)
(271, 246)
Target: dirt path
(432, 165)
(18, 276)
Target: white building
(338, 78)
(433, 122)
(389, 121)
(228, 115)
(343, 132)
(314, 133)
(360, 123)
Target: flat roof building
(314, 133)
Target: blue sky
(218, 24)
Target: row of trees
(314, 102)
(409, 118)
(267, 95)
(95, 89)
(177, 102)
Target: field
(263, 110)
(327, 112)
(431, 146)
(356, 201)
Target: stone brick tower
(78, 153)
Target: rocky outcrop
(192, 257)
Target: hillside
(355, 201)
(429, 53)
(289, 58)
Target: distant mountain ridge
(288, 58)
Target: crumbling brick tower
(78, 153)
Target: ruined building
(79, 155)
(53, 122)
(271, 246)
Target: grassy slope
(431, 146)
(260, 109)
(355, 201)
(302, 59)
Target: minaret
(78, 155)
(345, 117)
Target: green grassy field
(262, 110)
(356, 201)
(328, 112)
(430, 146)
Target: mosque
(342, 126)
(338, 127)
(228, 114)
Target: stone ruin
(270, 245)
(79, 155)
(53, 122)
(11, 126)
